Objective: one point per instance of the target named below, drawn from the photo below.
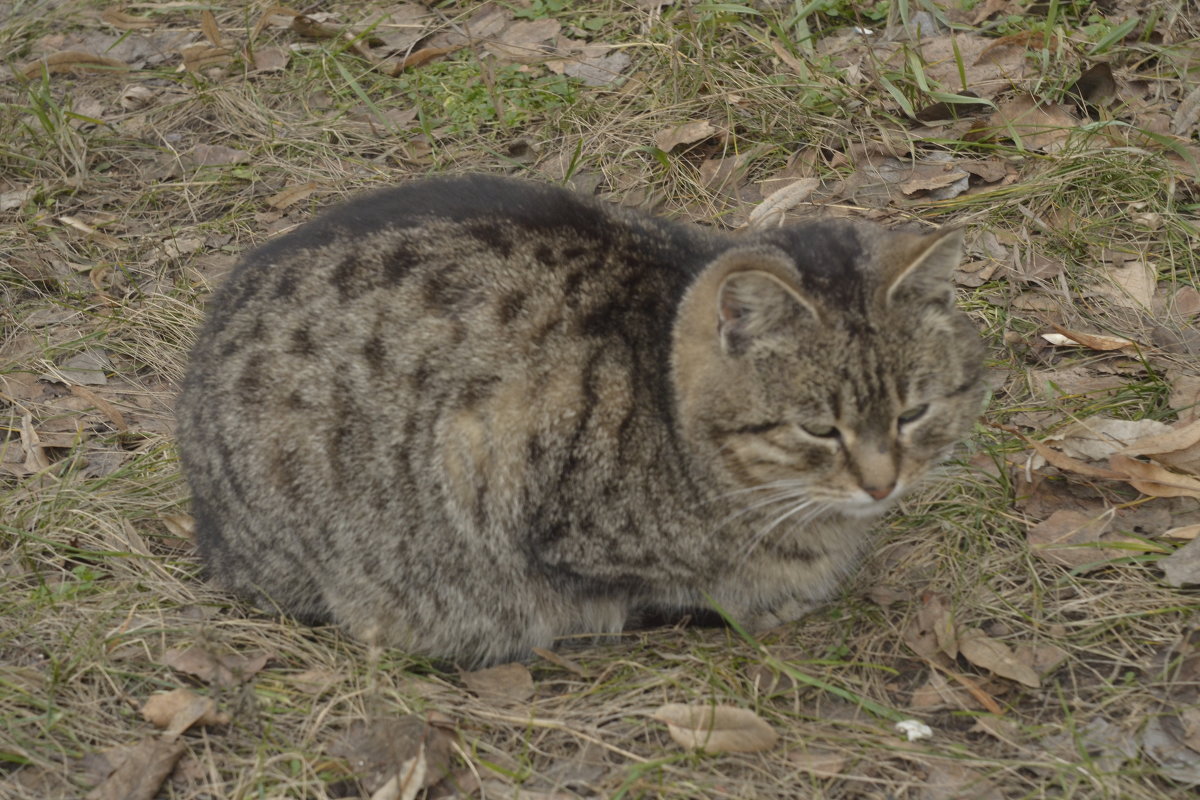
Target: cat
(468, 416)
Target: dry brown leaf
(507, 683)
(419, 57)
(269, 14)
(271, 59)
(946, 780)
(106, 408)
(316, 680)
(990, 654)
(291, 195)
(396, 757)
(821, 763)
(1037, 126)
(210, 28)
(1133, 285)
(1073, 464)
(199, 57)
(1177, 447)
(936, 616)
(771, 210)
(1098, 437)
(594, 64)
(125, 21)
(229, 669)
(1092, 341)
(1186, 302)
(1044, 658)
(312, 28)
(217, 155)
(71, 61)
(35, 456)
(1069, 538)
(525, 41)
(560, 661)
(1152, 479)
(716, 729)
(1184, 532)
(180, 525)
(139, 770)
(180, 709)
(688, 133)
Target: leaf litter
(901, 171)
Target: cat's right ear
(753, 303)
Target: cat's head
(827, 361)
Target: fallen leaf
(1034, 125)
(1092, 341)
(716, 729)
(770, 212)
(1043, 658)
(560, 661)
(199, 57)
(1177, 447)
(87, 368)
(1132, 285)
(1154, 480)
(688, 133)
(1186, 114)
(596, 64)
(525, 41)
(1164, 740)
(1108, 745)
(229, 669)
(139, 770)
(291, 195)
(949, 781)
(1097, 437)
(991, 654)
(395, 757)
(71, 61)
(1184, 532)
(271, 59)
(821, 763)
(209, 27)
(182, 526)
(1070, 539)
(1182, 568)
(936, 616)
(216, 155)
(125, 21)
(1185, 302)
(316, 680)
(507, 683)
(180, 709)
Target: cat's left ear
(924, 270)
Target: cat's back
(450, 236)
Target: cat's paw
(782, 614)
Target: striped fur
(469, 416)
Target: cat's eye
(913, 414)
(821, 431)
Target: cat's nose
(880, 492)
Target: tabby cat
(468, 416)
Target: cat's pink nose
(879, 492)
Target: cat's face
(813, 399)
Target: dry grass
(97, 583)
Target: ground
(1034, 606)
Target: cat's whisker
(774, 499)
(762, 534)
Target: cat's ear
(752, 303)
(923, 270)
